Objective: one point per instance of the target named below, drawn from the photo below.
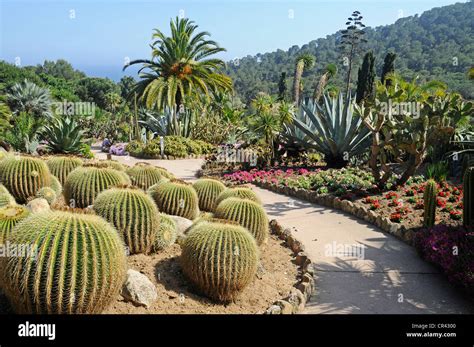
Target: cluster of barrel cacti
(429, 201)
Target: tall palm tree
(29, 98)
(180, 66)
(329, 72)
(304, 61)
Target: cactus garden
(332, 178)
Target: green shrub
(248, 214)
(208, 190)
(175, 147)
(84, 183)
(206, 148)
(134, 148)
(134, 215)
(23, 176)
(80, 265)
(429, 200)
(219, 259)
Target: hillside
(438, 44)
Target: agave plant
(168, 123)
(330, 128)
(63, 135)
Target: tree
(29, 98)
(180, 66)
(388, 67)
(303, 61)
(95, 89)
(366, 78)
(282, 89)
(329, 72)
(351, 40)
(126, 84)
(60, 69)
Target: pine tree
(365, 82)
(282, 87)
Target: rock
(38, 205)
(182, 224)
(297, 246)
(274, 309)
(307, 289)
(139, 289)
(260, 270)
(297, 299)
(285, 307)
(301, 258)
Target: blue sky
(98, 36)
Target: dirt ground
(177, 296)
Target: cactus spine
(80, 264)
(5, 197)
(468, 191)
(429, 201)
(177, 198)
(84, 183)
(113, 164)
(208, 190)
(60, 167)
(24, 176)
(134, 215)
(9, 217)
(167, 233)
(248, 214)
(47, 193)
(144, 175)
(238, 192)
(219, 259)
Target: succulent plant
(238, 192)
(60, 167)
(84, 183)
(165, 173)
(134, 215)
(47, 193)
(9, 216)
(80, 264)
(166, 234)
(144, 175)
(23, 176)
(468, 191)
(177, 198)
(220, 259)
(113, 164)
(429, 200)
(208, 190)
(5, 197)
(56, 186)
(248, 214)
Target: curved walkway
(358, 268)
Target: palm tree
(180, 66)
(329, 72)
(30, 98)
(304, 61)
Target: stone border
(169, 157)
(301, 292)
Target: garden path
(389, 277)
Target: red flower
(396, 217)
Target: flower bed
(403, 205)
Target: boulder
(139, 289)
(38, 205)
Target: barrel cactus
(165, 173)
(5, 197)
(468, 205)
(429, 201)
(144, 175)
(56, 186)
(23, 176)
(220, 259)
(134, 215)
(248, 214)
(177, 198)
(208, 190)
(9, 217)
(60, 167)
(113, 164)
(80, 264)
(47, 193)
(238, 192)
(84, 183)
(166, 234)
